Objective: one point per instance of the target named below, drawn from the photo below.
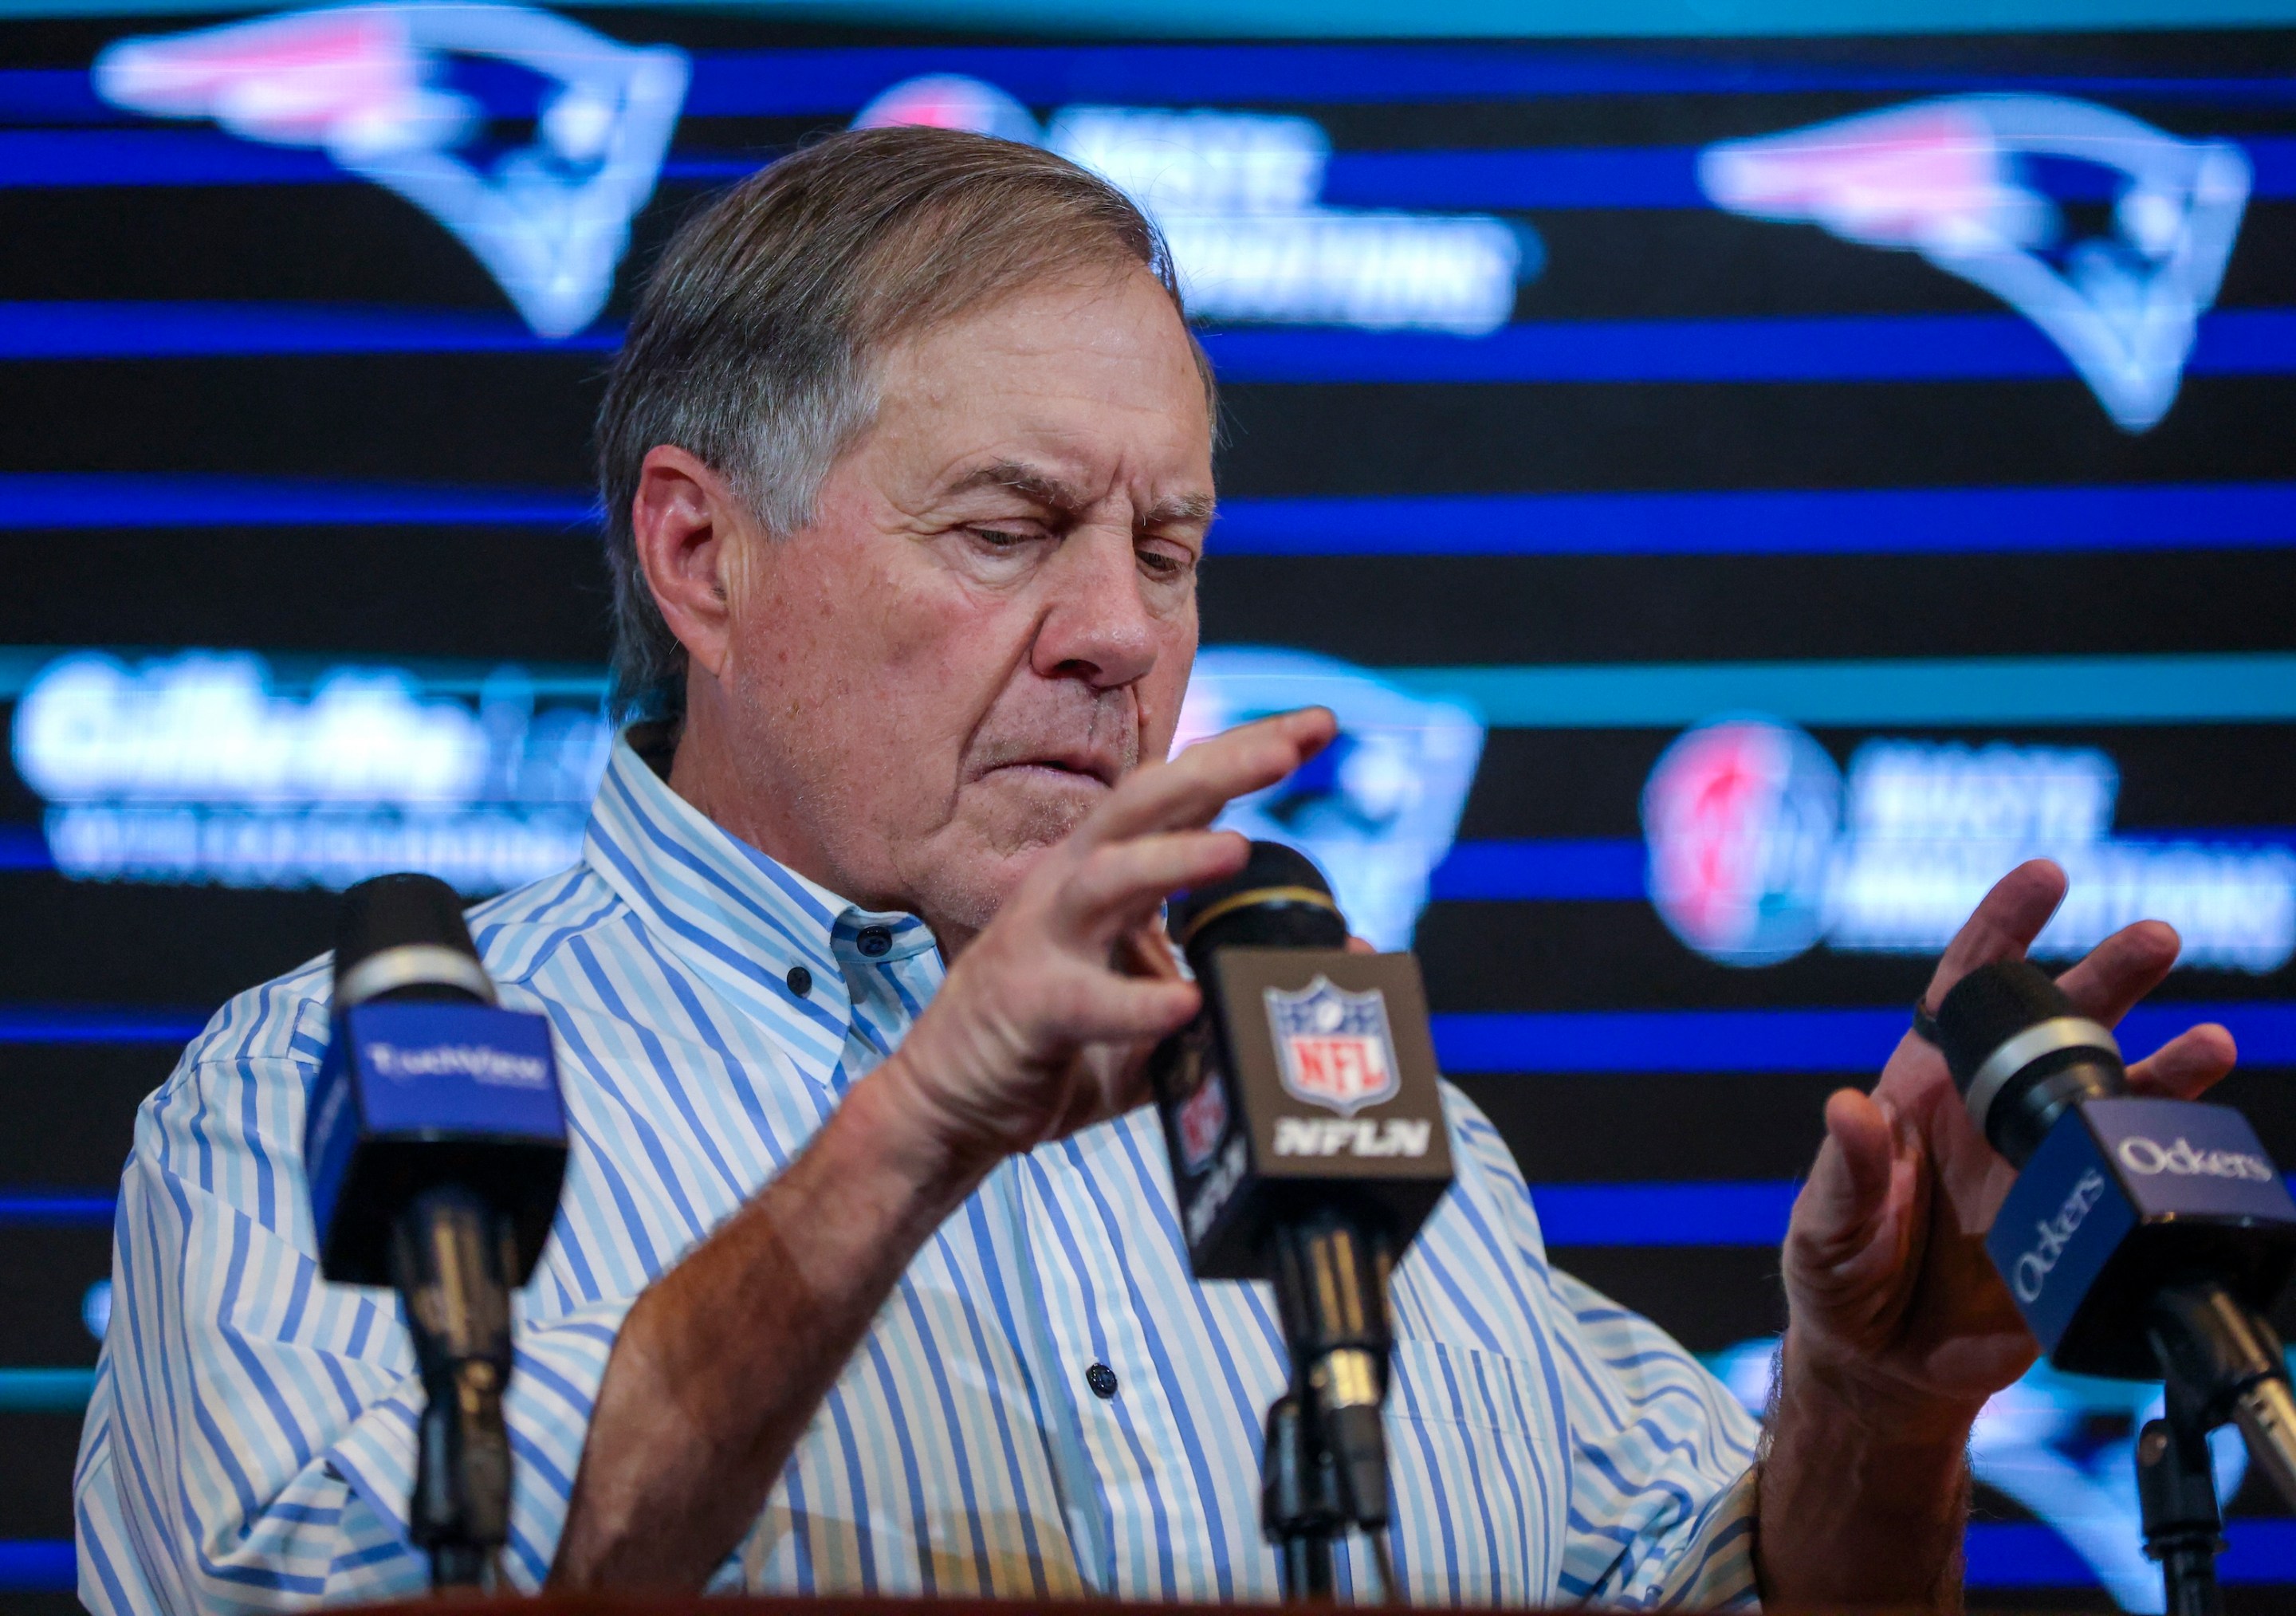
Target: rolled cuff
(554, 1388)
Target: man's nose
(1097, 625)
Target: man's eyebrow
(1182, 509)
(1031, 482)
(1036, 483)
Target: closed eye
(1165, 561)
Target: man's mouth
(1093, 765)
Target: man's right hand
(1038, 1031)
(1046, 1019)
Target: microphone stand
(2226, 1361)
(1325, 1465)
(449, 1256)
(2224, 1366)
(1299, 1512)
(2177, 1488)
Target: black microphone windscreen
(392, 911)
(1278, 899)
(1991, 1005)
(404, 935)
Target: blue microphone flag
(2121, 1192)
(410, 1090)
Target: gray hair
(755, 340)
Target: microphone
(2144, 1238)
(1307, 1146)
(437, 1144)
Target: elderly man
(866, 1276)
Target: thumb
(1848, 1186)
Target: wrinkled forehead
(1110, 340)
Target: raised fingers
(1112, 1009)
(2005, 923)
(1119, 881)
(2121, 970)
(1851, 1181)
(1192, 788)
(2186, 1064)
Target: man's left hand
(1897, 1327)
(1888, 1284)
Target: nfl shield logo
(1203, 1124)
(1332, 1048)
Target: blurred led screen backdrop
(1740, 495)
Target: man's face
(992, 617)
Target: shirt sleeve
(1662, 1466)
(251, 1439)
(1661, 1489)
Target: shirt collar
(726, 909)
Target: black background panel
(465, 594)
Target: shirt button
(873, 940)
(1101, 1379)
(800, 980)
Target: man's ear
(687, 522)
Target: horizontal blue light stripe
(783, 83)
(1841, 522)
(2002, 1554)
(1754, 1040)
(2025, 1554)
(21, 846)
(294, 674)
(20, 1210)
(1512, 179)
(1646, 176)
(51, 96)
(1531, 179)
(1741, 1214)
(70, 500)
(2258, 1551)
(1558, 870)
(1860, 520)
(69, 159)
(33, 1565)
(46, 1391)
(1828, 348)
(96, 1024)
(171, 331)
(838, 79)
(1764, 1041)
(1557, 177)
(1834, 349)
(2202, 687)
(2199, 687)
(1569, 1040)
(1567, 869)
(1750, 1212)
(1572, 1214)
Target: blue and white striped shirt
(251, 1439)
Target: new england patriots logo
(1959, 180)
(367, 84)
(1333, 1048)
(1378, 809)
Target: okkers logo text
(2032, 1271)
(2149, 1157)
